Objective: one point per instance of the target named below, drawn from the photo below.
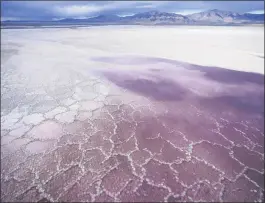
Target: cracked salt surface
(33, 119)
(54, 112)
(115, 136)
(67, 117)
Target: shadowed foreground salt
(160, 130)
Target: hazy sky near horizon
(48, 10)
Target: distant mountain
(69, 20)
(254, 17)
(159, 17)
(153, 17)
(100, 18)
(210, 17)
(156, 17)
(105, 18)
(219, 16)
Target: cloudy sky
(48, 10)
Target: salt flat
(132, 113)
(237, 48)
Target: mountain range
(214, 16)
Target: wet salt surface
(180, 133)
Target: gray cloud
(59, 9)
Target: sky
(52, 10)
